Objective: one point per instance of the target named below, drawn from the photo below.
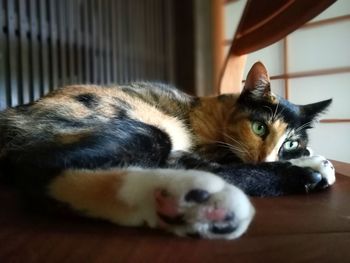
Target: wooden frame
(287, 75)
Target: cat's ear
(257, 83)
(311, 111)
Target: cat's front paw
(203, 204)
(322, 174)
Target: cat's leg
(305, 174)
(320, 164)
(180, 201)
(317, 163)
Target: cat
(149, 154)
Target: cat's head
(266, 127)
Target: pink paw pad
(216, 214)
(168, 210)
(165, 203)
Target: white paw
(319, 164)
(195, 202)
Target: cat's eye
(259, 128)
(290, 145)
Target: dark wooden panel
(184, 45)
(24, 50)
(107, 41)
(159, 40)
(145, 45)
(86, 44)
(71, 55)
(169, 43)
(62, 36)
(122, 45)
(78, 44)
(132, 13)
(141, 51)
(94, 41)
(114, 40)
(50, 43)
(13, 50)
(119, 45)
(54, 56)
(4, 96)
(99, 42)
(44, 48)
(126, 42)
(149, 41)
(35, 55)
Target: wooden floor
(303, 228)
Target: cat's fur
(147, 153)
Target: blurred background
(45, 44)
(311, 64)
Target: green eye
(259, 128)
(290, 145)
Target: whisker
(301, 127)
(276, 111)
(233, 148)
(269, 108)
(279, 114)
(236, 141)
(241, 145)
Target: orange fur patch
(245, 143)
(210, 117)
(92, 193)
(70, 138)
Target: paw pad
(202, 203)
(217, 214)
(197, 196)
(221, 230)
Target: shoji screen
(320, 54)
(312, 64)
(49, 43)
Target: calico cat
(146, 153)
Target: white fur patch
(140, 185)
(273, 155)
(311, 152)
(319, 164)
(179, 135)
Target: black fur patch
(89, 100)
(121, 142)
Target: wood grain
(300, 228)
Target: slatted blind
(45, 44)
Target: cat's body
(148, 153)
